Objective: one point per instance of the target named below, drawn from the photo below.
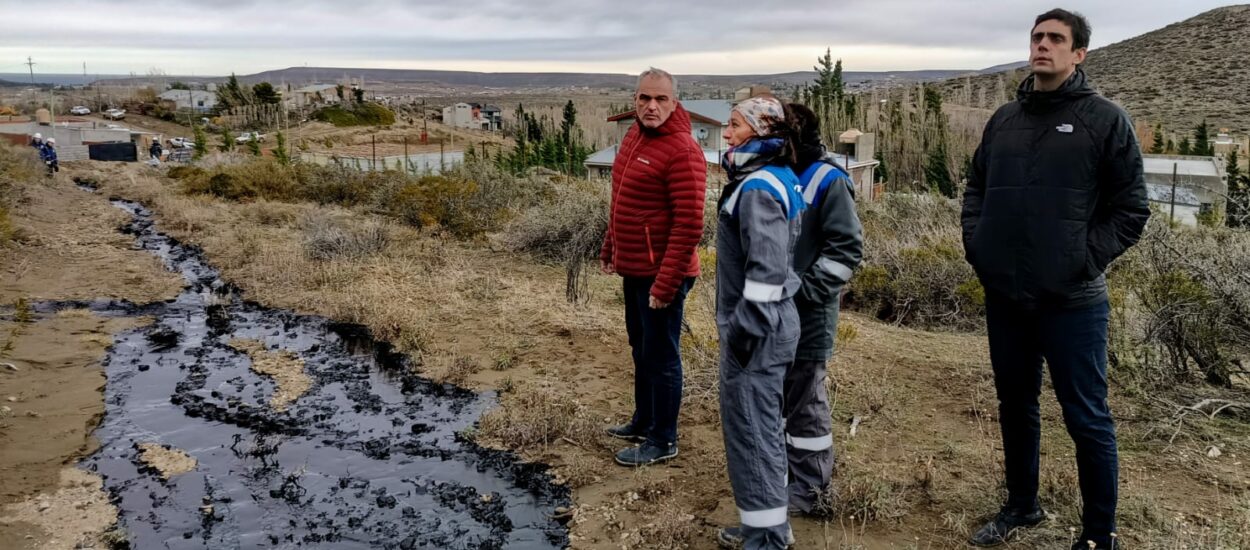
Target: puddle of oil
(368, 457)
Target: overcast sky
(618, 36)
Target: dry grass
(327, 239)
(538, 415)
(922, 469)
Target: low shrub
(567, 229)
(1181, 305)
(259, 178)
(914, 272)
(441, 201)
(362, 114)
(326, 239)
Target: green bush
(258, 178)
(441, 201)
(914, 272)
(333, 184)
(362, 114)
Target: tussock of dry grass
(538, 415)
(666, 526)
(326, 239)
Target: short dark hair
(1075, 21)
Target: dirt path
(50, 380)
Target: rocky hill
(1178, 75)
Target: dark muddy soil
(370, 456)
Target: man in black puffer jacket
(1055, 195)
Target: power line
(31, 65)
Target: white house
(473, 116)
(1224, 143)
(314, 94)
(198, 100)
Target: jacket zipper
(650, 252)
(616, 195)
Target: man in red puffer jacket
(658, 182)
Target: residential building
(199, 101)
(473, 116)
(314, 95)
(1224, 143)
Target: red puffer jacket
(658, 183)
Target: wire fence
(415, 163)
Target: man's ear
(1080, 55)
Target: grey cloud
(559, 30)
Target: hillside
(1184, 72)
(514, 81)
(1178, 75)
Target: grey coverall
(759, 329)
(829, 249)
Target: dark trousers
(655, 336)
(1074, 346)
(809, 433)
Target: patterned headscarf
(759, 113)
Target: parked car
(249, 136)
(79, 110)
(115, 114)
(181, 143)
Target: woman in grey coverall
(759, 216)
(830, 247)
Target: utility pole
(30, 63)
(1172, 215)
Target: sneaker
(626, 432)
(646, 454)
(731, 537)
(1005, 526)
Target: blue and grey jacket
(47, 153)
(830, 247)
(758, 228)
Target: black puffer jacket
(1056, 193)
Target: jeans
(1074, 345)
(655, 337)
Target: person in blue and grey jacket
(759, 215)
(830, 247)
(47, 154)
